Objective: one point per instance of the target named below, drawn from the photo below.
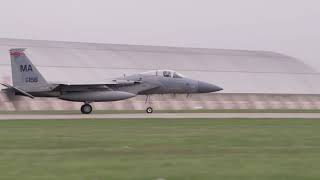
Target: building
(251, 79)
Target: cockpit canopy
(164, 73)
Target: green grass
(170, 111)
(152, 149)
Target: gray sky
(287, 26)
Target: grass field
(160, 149)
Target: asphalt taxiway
(163, 116)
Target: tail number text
(31, 79)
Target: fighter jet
(28, 81)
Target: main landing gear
(86, 108)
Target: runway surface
(163, 116)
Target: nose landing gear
(86, 108)
(149, 110)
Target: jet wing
(135, 87)
(107, 83)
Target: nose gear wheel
(149, 110)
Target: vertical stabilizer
(25, 75)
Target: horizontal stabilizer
(18, 90)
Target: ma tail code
(25, 68)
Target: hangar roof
(237, 71)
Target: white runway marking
(163, 116)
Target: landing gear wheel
(149, 110)
(86, 109)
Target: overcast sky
(286, 26)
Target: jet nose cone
(204, 87)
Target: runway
(163, 116)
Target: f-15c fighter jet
(28, 81)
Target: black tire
(86, 109)
(149, 110)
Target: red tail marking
(17, 53)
